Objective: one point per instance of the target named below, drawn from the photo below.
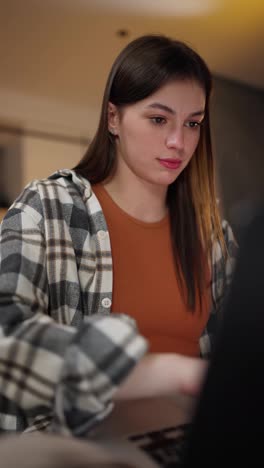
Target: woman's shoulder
(59, 183)
(64, 183)
(224, 256)
(59, 191)
(230, 240)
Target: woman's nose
(175, 139)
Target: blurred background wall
(237, 117)
(55, 57)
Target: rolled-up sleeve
(101, 355)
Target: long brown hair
(144, 66)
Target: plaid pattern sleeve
(62, 354)
(222, 273)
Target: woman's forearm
(163, 374)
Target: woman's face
(157, 136)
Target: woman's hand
(192, 373)
(163, 374)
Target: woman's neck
(139, 199)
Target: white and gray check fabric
(62, 354)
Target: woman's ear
(113, 119)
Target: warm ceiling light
(158, 7)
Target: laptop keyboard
(166, 446)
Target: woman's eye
(193, 124)
(158, 120)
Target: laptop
(227, 422)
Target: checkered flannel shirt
(62, 354)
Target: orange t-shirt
(145, 284)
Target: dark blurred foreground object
(228, 425)
(241, 215)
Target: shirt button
(102, 234)
(87, 193)
(106, 302)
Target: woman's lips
(170, 163)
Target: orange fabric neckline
(144, 224)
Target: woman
(70, 298)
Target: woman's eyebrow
(158, 105)
(197, 113)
